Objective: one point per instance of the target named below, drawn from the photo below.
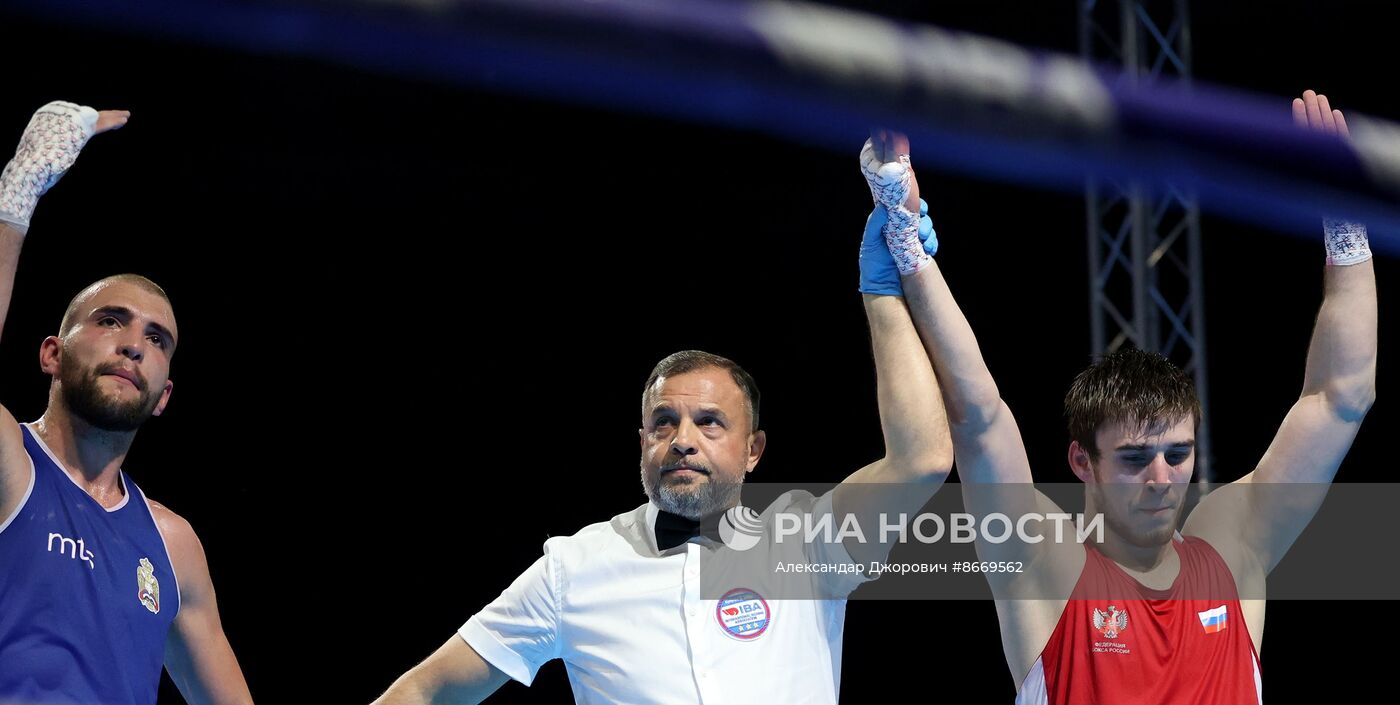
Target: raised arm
(1267, 509)
(991, 457)
(994, 471)
(974, 407)
(48, 147)
(992, 465)
(918, 450)
(50, 143)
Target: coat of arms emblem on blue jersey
(147, 587)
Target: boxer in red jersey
(1150, 615)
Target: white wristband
(1346, 242)
(49, 146)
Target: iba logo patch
(743, 614)
(147, 587)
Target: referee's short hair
(692, 360)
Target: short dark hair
(70, 314)
(692, 360)
(1129, 385)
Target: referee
(621, 601)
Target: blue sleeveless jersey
(87, 595)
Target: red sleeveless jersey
(1186, 645)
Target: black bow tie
(673, 529)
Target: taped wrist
(1345, 241)
(889, 185)
(901, 233)
(48, 147)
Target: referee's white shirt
(632, 628)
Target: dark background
(415, 320)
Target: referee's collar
(707, 529)
(654, 514)
(653, 511)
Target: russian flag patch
(1213, 620)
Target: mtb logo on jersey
(147, 587)
(76, 550)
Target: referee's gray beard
(691, 501)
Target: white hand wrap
(49, 146)
(889, 184)
(1346, 242)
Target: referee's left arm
(455, 674)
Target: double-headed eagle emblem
(1111, 622)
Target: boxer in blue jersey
(99, 586)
